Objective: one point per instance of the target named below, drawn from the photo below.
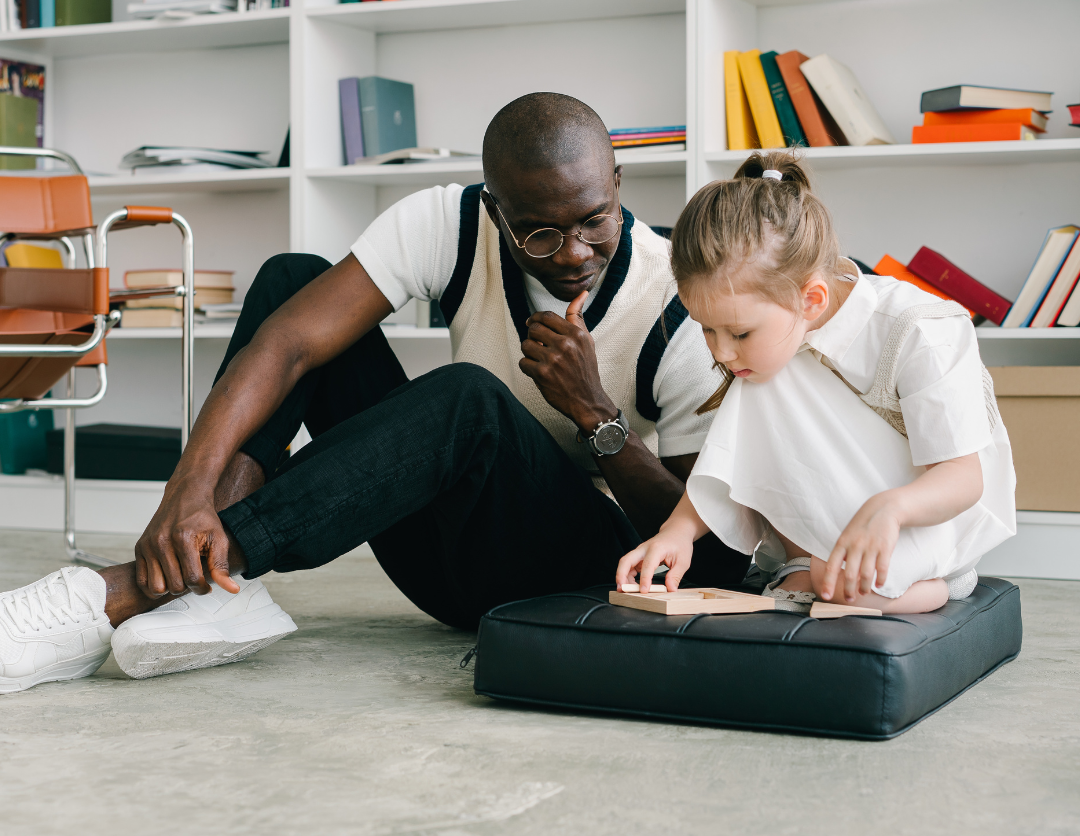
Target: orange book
(969, 133)
(1029, 118)
(889, 266)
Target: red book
(818, 125)
(1074, 114)
(1023, 116)
(969, 133)
(954, 282)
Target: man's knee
(282, 275)
(474, 385)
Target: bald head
(544, 131)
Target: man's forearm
(646, 490)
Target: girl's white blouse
(804, 452)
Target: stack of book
(966, 113)
(666, 138)
(156, 158)
(176, 9)
(212, 288)
(776, 101)
(44, 14)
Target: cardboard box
(1040, 406)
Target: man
(576, 368)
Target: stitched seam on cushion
(583, 618)
(740, 640)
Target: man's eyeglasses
(599, 229)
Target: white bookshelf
(240, 80)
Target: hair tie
(771, 174)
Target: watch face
(610, 439)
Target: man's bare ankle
(241, 479)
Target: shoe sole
(158, 653)
(60, 672)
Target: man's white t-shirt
(410, 252)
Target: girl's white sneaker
(53, 629)
(200, 631)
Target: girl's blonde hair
(777, 226)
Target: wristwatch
(609, 436)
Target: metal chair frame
(95, 249)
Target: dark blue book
(388, 114)
(662, 129)
(33, 13)
(785, 110)
(352, 132)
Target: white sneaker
(200, 631)
(54, 629)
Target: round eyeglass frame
(523, 245)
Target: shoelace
(30, 609)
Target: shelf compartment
(426, 15)
(249, 180)
(472, 171)
(943, 153)
(136, 36)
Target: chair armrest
(128, 294)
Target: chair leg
(75, 554)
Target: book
(1074, 115)
(31, 10)
(388, 115)
(18, 121)
(1055, 247)
(741, 133)
(203, 296)
(955, 283)
(48, 14)
(1062, 288)
(228, 310)
(179, 9)
(77, 12)
(633, 150)
(785, 112)
(662, 129)
(27, 81)
(970, 95)
(661, 140)
(678, 136)
(29, 255)
(165, 155)
(135, 279)
(417, 155)
(352, 133)
(151, 318)
(1017, 116)
(1070, 314)
(761, 104)
(922, 134)
(846, 101)
(817, 123)
(889, 266)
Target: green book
(75, 12)
(785, 110)
(18, 127)
(387, 115)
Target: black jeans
(465, 498)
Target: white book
(1060, 290)
(1070, 314)
(1047, 264)
(848, 103)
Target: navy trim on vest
(514, 281)
(652, 351)
(469, 229)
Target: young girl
(857, 450)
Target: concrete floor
(362, 722)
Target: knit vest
(486, 308)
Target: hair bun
(774, 165)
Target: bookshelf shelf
(137, 36)
(426, 15)
(224, 331)
(255, 180)
(945, 153)
(1027, 333)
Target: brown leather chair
(52, 321)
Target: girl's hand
(669, 548)
(864, 550)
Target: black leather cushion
(862, 677)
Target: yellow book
(761, 103)
(741, 135)
(27, 255)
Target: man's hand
(184, 533)
(561, 359)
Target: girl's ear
(815, 298)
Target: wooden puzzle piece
(702, 600)
(822, 609)
(633, 587)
